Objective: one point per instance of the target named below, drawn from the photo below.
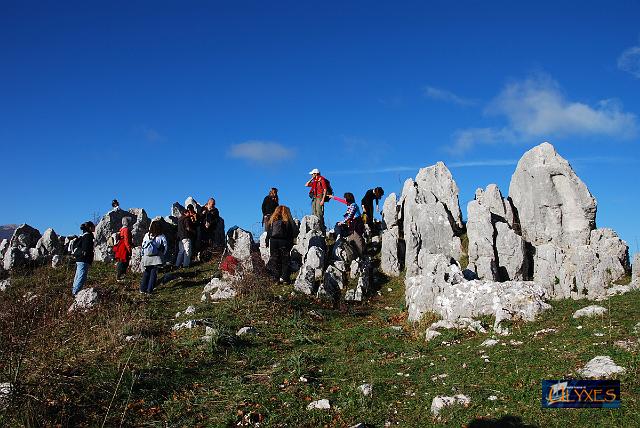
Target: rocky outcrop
(553, 204)
(362, 272)
(240, 245)
(496, 252)
(390, 253)
(635, 274)
(20, 249)
(311, 271)
(49, 244)
(111, 223)
(84, 300)
(442, 289)
(218, 289)
(264, 250)
(309, 235)
(432, 221)
(24, 238)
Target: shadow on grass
(508, 421)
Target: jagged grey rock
(389, 254)
(432, 221)
(176, 210)
(191, 201)
(481, 235)
(590, 311)
(442, 289)
(24, 238)
(635, 274)
(342, 251)
(264, 250)
(314, 259)
(488, 343)
(600, 367)
(5, 394)
(4, 245)
(309, 235)
(135, 263)
(218, 289)
(13, 258)
(553, 204)
(511, 251)
(111, 223)
(48, 244)
(239, 245)
(319, 404)
(305, 282)
(332, 284)
(56, 260)
(247, 331)
(4, 284)
(440, 402)
(84, 300)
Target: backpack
(150, 248)
(75, 247)
(329, 190)
(278, 229)
(113, 239)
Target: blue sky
(151, 102)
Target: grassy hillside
(78, 369)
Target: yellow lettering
(611, 393)
(597, 392)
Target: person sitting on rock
(187, 234)
(280, 236)
(122, 250)
(115, 205)
(351, 227)
(269, 205)
(84, 256)
(154, 250)
(367, 204)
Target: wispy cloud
(261, 152)
(629, 61)
(482, 163)
(537, 109)
(447, 96)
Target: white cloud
(629, 61)
(265, 152)
(446, 96)
(537, 109)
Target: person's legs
(180, 257)
(82, 269)
(275, 260)
(145, 279)
(121, 269)
(285, 258)
(153, 276)
(317, 209)
(188, 251)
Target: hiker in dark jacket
(154, 250)
(209, 218)
(85, 256)
(269, 205)
(367, 204)
(281, 231)
(186, 236)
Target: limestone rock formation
(600, 367)
(84, 300)
(49, 244)
(553, 204)
(111, 223)
(442, 289)
(24, 237)
(390, 254)
(264, 250)
(635, 275)
(432, 221)
(218, 289)
(309, 235)
(240, 245)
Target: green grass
(77, 369)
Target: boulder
(247, 331)
(305, 282)
(111, 223)
(389, 254)
(332, 284)
(4, 284)
(309, 235)
(176, 210)
(24, 237)
(553, 204)
(264, 250)
(218, 289)
(48, 244)
(590, 311)
(135, 263)
(13, 258)
(239, 245)
(440, 402)
(342, 251)
(600, 367)
(4, 245)
(443, 290)
(191, 201)
(56, 260)
(84, 300)
(319, 404)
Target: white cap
(314, 171)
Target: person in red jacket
(122, 250)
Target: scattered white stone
(366, 389)
(440, 376)
(636, 329)
(303, 379)
(600, 367)
(186, 325)
(319, 404)
(431, 334)
(489, 343)
(598, 334)
(55, 261)
(590, 311)
(515, 342)
(218, 289)
(492, 398)
(440, 402)
(396, 328)
(190, 310)
(579, 327)
(247, 331)
(85, 300)
(133, 338)
(544, 331)
(627, 345)
(5, 393)
(4, 284)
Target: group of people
(197, 228)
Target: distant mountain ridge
(6, 231)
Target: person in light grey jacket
(154, 249)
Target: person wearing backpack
(122, 249)
(280, 235)
(186, 236)
(82, 250)
(352, 226)
(154, 249)
(319, 194)
(269, 205)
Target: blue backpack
(150, 248)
